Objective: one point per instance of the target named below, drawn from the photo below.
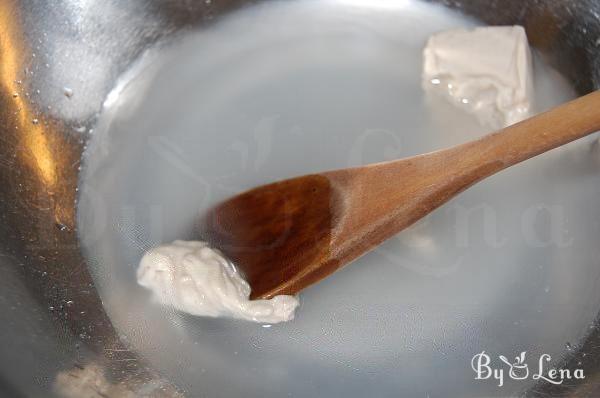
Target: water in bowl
(289, 88)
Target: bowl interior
(283, 89)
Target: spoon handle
(425, 182)
(534, 136)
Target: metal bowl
(58, 64)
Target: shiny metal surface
(58, 62)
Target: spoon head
(278, 235)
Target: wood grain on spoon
(290, 234)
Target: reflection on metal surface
(32, 134)
(27, 124)
(88, 381)
(91, 381)
(382, 4)
(39, 162)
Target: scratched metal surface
(58, 61)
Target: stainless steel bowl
(58, 63)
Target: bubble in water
(35, 121)
(67, 92)
(15, 95)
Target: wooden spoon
(290, 234)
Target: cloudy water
(289, 88)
